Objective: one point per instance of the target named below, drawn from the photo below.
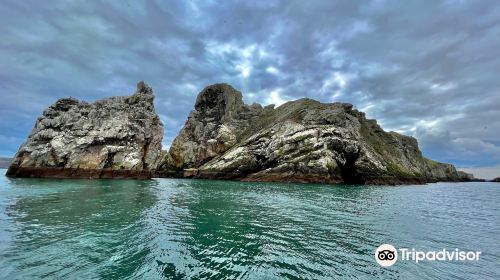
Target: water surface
(183, 229)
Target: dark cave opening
(109, 160)
(349, 172)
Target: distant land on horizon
(488, 173)
(5, 162)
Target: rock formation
(223, 138)
(215, 125)
(300, 141)
(117, 137)
(496, 180)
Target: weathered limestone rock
(117, 137)
(300, 141)
(216, 124)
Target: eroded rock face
(216, 124)
(300, 141)
(113, 137)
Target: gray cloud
(424, 68)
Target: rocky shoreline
(309, 179)
(77, 173)
(302, 141)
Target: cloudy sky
(429, 69)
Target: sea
(206, 229)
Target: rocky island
(223, 138)
(299, 141)
(117, 137)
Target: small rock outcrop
(117, 137)
(496, 180)
(300, 141)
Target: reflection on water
(182, 229)
(66, 227)
(245, 229)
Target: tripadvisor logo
(387, 255)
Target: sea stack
(299, 141)
(117, 137)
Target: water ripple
(183, 229)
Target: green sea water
(197, 229)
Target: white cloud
(335, 84)
(273, 70)
(241, 58)
(245, 70)
(441, 87)
(275, 97)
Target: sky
(429, 69)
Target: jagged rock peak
(219, 101)
(217, 123)
(113, 137)
(222, 89)
(144, 88)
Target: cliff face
(117, 137)
(214, 126)
(300, 141)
